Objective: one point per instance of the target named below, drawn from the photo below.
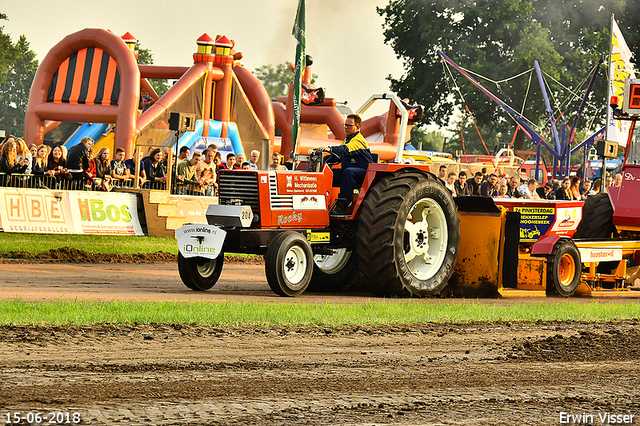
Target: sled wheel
(408, 235)
(563, 269)
(289, 264)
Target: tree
(145, 57)
(276, 79)
(499, 39)
(17, 69)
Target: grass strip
(108, 244)
(258, 314)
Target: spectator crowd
(197, 173)
(491, 185)
(83, 168)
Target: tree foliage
(500, 39)
(145, 57)
(276, 79)
(17, 68)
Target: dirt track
(474, 374)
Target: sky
(344, 37)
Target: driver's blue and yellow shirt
(354, 152)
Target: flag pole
(299, 34)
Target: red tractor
(402, 233)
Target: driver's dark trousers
(348, 179)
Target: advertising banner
(108, 213)
(51, 212)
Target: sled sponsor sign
(603, 254)
(534, 221)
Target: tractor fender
(545, 244)
(377, 170)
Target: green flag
(298, 33)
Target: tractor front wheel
(199, 273)
(563, 269)
(289, 264)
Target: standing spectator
(502, 193)
(231, 162)
(33, 149)
(212, 147)
(217, 160)
(489, 187)
(276, 158)
(442, 173)
(528, 190)
(253, 159)
(595, 189)
(512, 189)
(57, 164)
(157, 174)
(206, 173)
(99, 171)
(183, 154)
(119, 171)
(187, 175)
(546, 192)
(239, 160)
(617, 181)
(289, 163)
(474, 184)
(39, 165)
(78, 158)
(451, 183)
(22, 152)
(564, 192)
(8, 160)
(130, 163)
(148, 160)
(608, 180)
(246, 166)
(461, 186)
(145, 100)
(585, 188)
(575, 187)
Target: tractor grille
(239, 188)
(278, 201)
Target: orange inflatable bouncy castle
(82, 78)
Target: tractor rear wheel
(408, 235)
(563, 269)
(597, 218)
(332, 273)
(199, 273)
(289, 264)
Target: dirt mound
(587, 346)
(73, 255)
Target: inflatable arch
(84, 78)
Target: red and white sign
(604, 254)
(299, 183)
(309, 202)
(567, 220)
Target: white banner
(620, 69)
(108, 213)
(62, 212)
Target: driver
(356, 156)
